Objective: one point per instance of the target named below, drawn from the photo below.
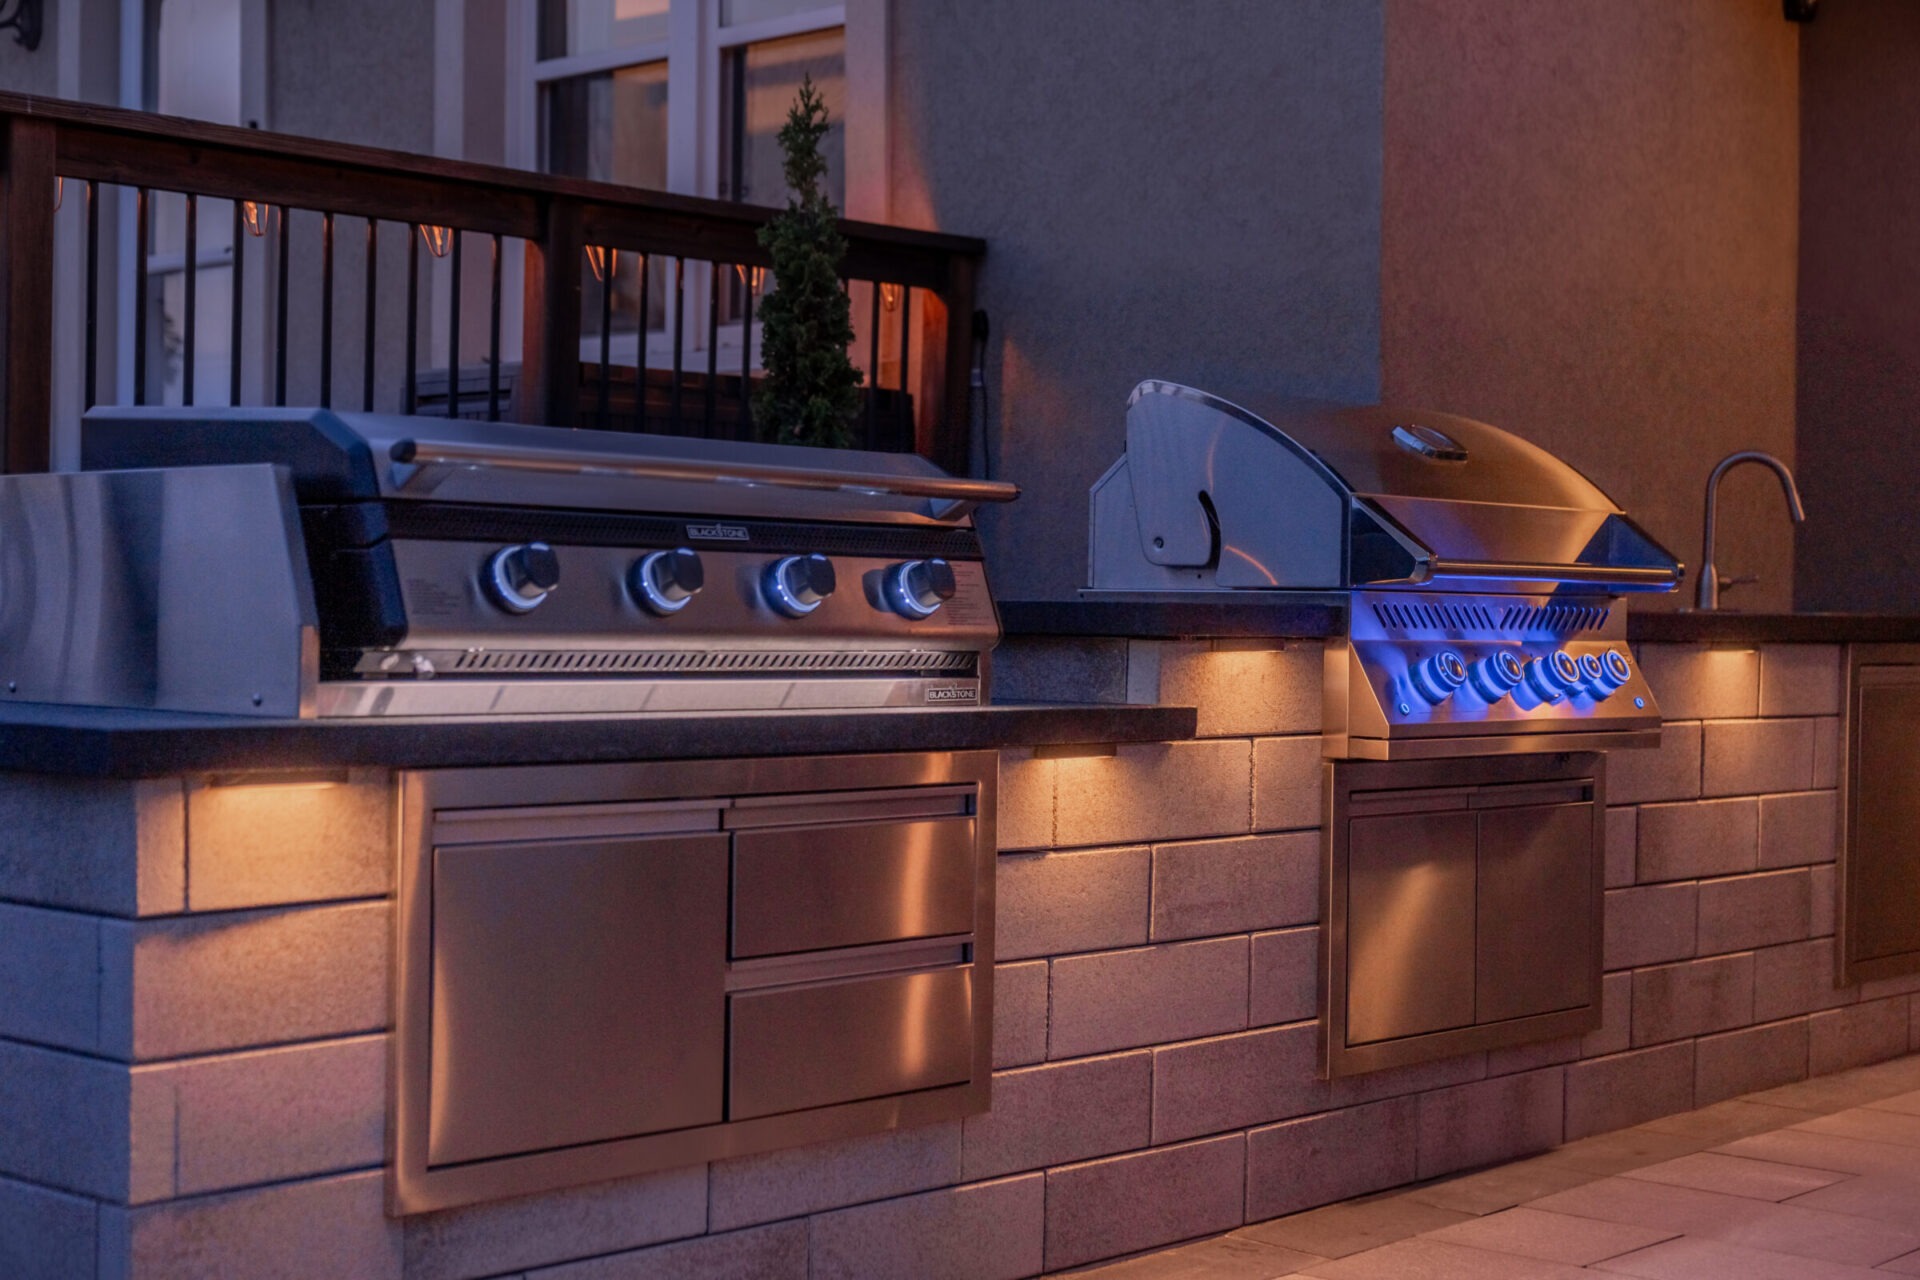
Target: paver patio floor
(1811, 1181)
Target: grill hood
(1217, 493)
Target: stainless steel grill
(1482, 570)
(299, 561)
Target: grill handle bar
(1626, 577)
(961, 494)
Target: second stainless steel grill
(1483, 572)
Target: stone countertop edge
(1729, 627)
(1323, 615)
(115, 743)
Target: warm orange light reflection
(439, 239)
(603, 261)
(254, 215)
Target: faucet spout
(1707, 591)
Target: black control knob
(519, 578)
(664, 581)
(916, 588)
(796, 585)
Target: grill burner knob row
(665, 581)
(1554, 676)
(1496, 675)
(917, 588)
(797, 584)
(1439, 676)
(519, 577)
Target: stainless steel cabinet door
(1534, 952)
(1881, 867)
(1410, 908)
(577, 992)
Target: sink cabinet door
(1534, 952)
(1881, 872)
(577, 992)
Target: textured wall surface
(1859, 332)
(1588, 237)
(194, 999)
(1182, 191)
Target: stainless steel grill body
(1482, 571)
(483, 568)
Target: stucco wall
(35, 72)
(1859, 334)
(355, 71)
(1180, 191)
(1588, 237)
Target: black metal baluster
(679, 325)
(234, 331)
(412, 393)
(368, 329)
(901, 420)
(93, 292)
(326, 310)
(746, 355)
(192, 283)
(713, 346)
(607, 264)
(493, 339)
(280, 307)
(640, 360)
(453, 330)
(873, 366)
(141, 216)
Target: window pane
(762, 81)
(735, 13)
(610, 127)
(589, 26)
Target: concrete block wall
(194, 1000)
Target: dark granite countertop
(1726, 626)
(1298, 615)
(1320, 615)
(107, 742)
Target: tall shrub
(811, 391)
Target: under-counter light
(1075, 750)
(285, 779)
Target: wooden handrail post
(549, 389)
(26, 294)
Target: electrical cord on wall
(977, 381)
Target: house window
(685, 96)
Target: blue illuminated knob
(1554, 676)
(1614, 671)
(1495, 675)
(1438, 677)
(1591, 675)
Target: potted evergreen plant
(811, 392)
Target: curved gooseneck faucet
(1707, 593)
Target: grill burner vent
(1560, 619)
(1556, 617)
(687, 660)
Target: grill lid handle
(959, 494)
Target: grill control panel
(1456, 674)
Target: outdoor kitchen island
(197, 973)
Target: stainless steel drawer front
(577, 992)
(810, 888)
(801, 1047)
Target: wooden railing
(562, 228)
